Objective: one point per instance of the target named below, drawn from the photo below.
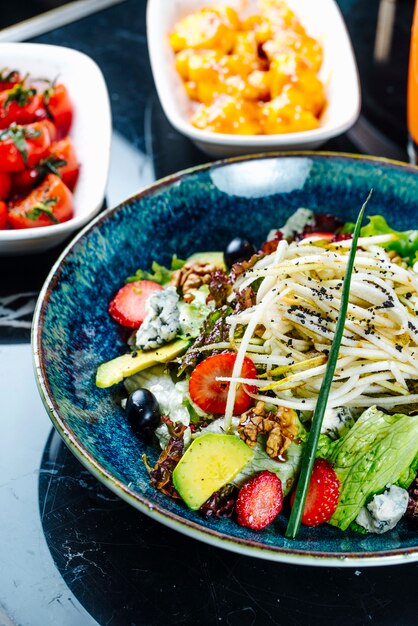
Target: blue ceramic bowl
(200, 209)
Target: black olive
(143, 413)
(238, 250)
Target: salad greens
(405, 243)
(287, 470)
(389, 455)
(263, 349)
(159, 273)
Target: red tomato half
(50, 203)
(18, 105)
(61, 160)
(24, 146)
(64, 151)
(57, 107)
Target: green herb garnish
(321, 405)
(51, 164)
(7, 76)
(18, 135)
(19, 94)
(43, 208)
(46, 96)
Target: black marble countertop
(72, 553)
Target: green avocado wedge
(216, 258)
(117, 369)
(210, 462)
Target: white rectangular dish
(90, 132)
(322, 20)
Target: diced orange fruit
(250, 76)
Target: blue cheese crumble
(337, 422)
(384, 511)
(162, 322)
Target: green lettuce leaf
(159, 273)
(347, 228)
(378, 450)
(214, 329)
(406, 244)
(194, 313)
(286, 470)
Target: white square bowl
(321, 18)
(90, 132)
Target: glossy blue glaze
(199, 210)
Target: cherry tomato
(19, 105)
(50, 203)
(5, 185)
(59, 152)
(23, 182)
(3, 215)
(57, 107)
(24, 146)
(61, 160)
(9, 78)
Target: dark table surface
(72, 553)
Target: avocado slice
(217, 258)
(114, 371)
(210, 462)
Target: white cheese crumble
(295, 224)
(161, 324)
(337, 422)
(384, 511)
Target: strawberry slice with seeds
(211, 394)
(259, 500)
(323, 493)
(128, 306)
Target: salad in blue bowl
(189, 385)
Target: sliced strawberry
(323, 494)
(323, 235)
(259, 500)
(210, 394)
(3, 215)
(128, 306)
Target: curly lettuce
(380, 449)
(159, 273)
(405, 244)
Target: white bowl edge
(322, 19)
(91, 134)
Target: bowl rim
(60, 230)
(134, 498)
(315, 135)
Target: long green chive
(312, 443)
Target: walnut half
(281, 428)
(191, 276)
